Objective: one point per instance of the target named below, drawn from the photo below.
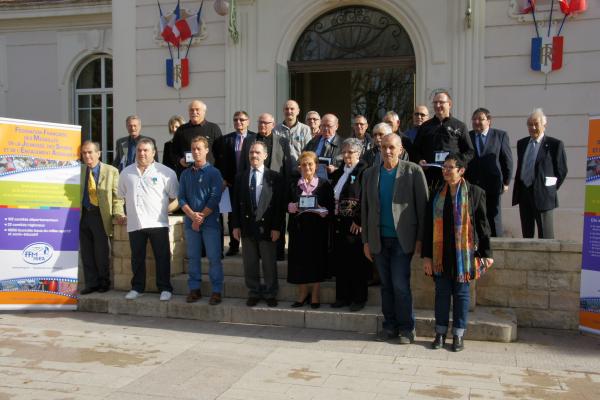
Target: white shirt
(260, 171)
(147, 195)
(337, 190)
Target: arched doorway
(354, 60)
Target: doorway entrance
(354, 61)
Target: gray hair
(382, 126)
(393, 115)
(354, 144)
(130, 117)
(261, 144)
(538, 113)
(146, 140)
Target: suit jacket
(121, 147)
(333, 150)
(225, 159)
(280, 156)
(551, 161)
(270, 211)
(493, 168)
(109, 203)
(408, 206)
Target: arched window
(94, 102)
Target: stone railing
(538, 279)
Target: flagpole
(534, 21)
(550, 20)
(179, 8)
(561, 24)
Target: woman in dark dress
(168, 158)
(456, 248)
(347, 259)
(308, 231)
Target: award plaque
(188, 157)
(307, 202)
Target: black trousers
(159, 240)
(531, 216)
(494, 213)
(233, 242)
(94, 246)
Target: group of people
(350, 203)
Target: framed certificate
(307, 202)
(440, 156)
(326, 161)
(188, 157)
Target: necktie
(480, 144)
(92, 193)
(253, 188)
(238, 149)
(130, 151)
(529, 167)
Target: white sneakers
(132, 295)
(164, 295)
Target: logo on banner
(175, 29)
(37, 253)
(546, 53)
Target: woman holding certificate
(456, 247)
(347, 259)
(310, 208)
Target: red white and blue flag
(168, 26)
(178, 72)
(546, 53)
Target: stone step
(485, 323)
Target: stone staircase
(485, 323)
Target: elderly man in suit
(394, 198)
(258, 214)
(125, 146)
(541, 170)
(491, 167)
(327, 146)
(99, 204)
(231, 155)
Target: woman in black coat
(308, 229)
(347, 259)
(456, 247)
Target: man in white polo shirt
(148, 187)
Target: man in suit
(125, 146)
(231, 151)
(278, 159)
(392, 214)
(99, 204)
(491, 166)
(328, 146)
(541, 170)
(258, 214)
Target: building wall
(512, 90)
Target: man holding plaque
(394, 199)
(257, 218)
(327, 146)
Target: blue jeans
(211, 236)
(396, 298)
(446, 289)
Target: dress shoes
(252, 301)
(215, 299)
(354, 307)
(439, 341)
(298, 304)
(193, 296)
(88, 290)
(103, 289)
(271, 302)
(457, 344)
(315, 305)
(339, 304)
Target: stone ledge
(543, 245)
(486, 323)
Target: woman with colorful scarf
(456, 248)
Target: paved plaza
(77, 355)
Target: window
(94, 102)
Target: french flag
(188, 27)
(168, 28)
(526, 6)
(569, 7)
(546, 53)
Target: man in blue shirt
(393, 204)
(200, 190)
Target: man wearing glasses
(359, 131)
(420, 115)
(231, 157)
(328, 146)
(313, 120)
(436, 138)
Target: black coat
(182, 140)
(270, 211)
(225, 159)
(551, 161)
(493, 169)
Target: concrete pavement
(78, 355)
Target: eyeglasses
(265, 122)
(448, 167)
(313, 119)
(240, 119)
(418, 114)
(327, 126)
(360, 124)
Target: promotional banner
(39, 214)
(589, 309)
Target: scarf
(467, 266)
